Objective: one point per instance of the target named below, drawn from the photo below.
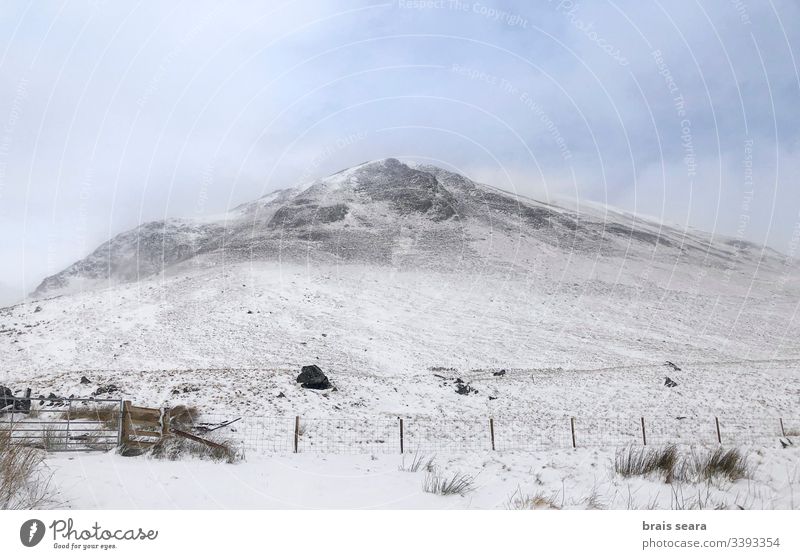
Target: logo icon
(32, 532)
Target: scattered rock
(312, 377)
(499, 373)
(672, 365)
(37, 309)
(493, 397)
(464, 388)
(53, 400)
(108, 389)
(281, 395)
(85, 380)
(249, 312)
(669, 383)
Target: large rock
(10, 402)
(312, 377)
(6, 398)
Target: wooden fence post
(165, 420)
(69, 413)
(296, 433)
(572, 427)
(125, 432)
(719, 435)
(644, 434)
(491, 430)
(783, 431)
(402, 442)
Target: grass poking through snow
(23, 482)
(418, 462)
(441, 484)
(730, 464)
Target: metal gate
(61, 424)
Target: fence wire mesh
(425, 435)
(90, 424)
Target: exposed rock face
(392, 214)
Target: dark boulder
(312, 377)
(9, 402)
(85, 380)
(6, 398)
(669, 383)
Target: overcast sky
(117, 113)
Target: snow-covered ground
(582, 478)
(425, 296)
(231, 340)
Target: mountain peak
(388, 213)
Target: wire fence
(427, 435)
(87, 424)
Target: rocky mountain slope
(408, 216)
(398, 280)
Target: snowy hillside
(422, 295)
(385, 274)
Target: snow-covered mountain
(396, 279)
(402, 215)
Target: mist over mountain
(9, 295)
(390, 213)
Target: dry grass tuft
(728, 464)
(440, 484)
(419, 462)
(177, 448)
(23, 484)
(641, 461)
(538, 501)
(711, 465)
(107, 415)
